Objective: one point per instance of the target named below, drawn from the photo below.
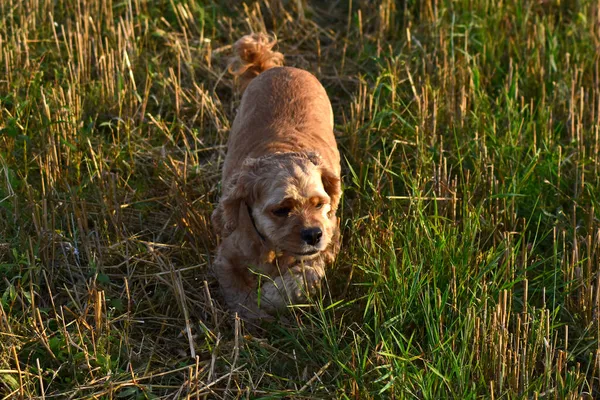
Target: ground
(469, 133)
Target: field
(469, 132)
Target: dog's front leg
(238, 286)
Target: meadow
(469, 134)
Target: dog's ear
(333, 186)
(225, 216)
(331, 182)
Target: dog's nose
(311, 235)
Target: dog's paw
(312, 281)
(307, 283)
(252, 313)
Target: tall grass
(471, 232)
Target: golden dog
(281, 186)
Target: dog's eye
(282, 211)
(319, 206)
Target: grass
(471, 229)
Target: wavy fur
(254, 55)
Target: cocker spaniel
(280, 186)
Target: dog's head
(293, 199)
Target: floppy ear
(333, 186)
(225, 216)
(331, 182)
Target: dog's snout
(311, 235)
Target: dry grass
(471, 227)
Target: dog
(281, 186)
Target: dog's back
(283, 109)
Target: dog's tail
(253, 55)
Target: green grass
(471, 226)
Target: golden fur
(281, 186)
